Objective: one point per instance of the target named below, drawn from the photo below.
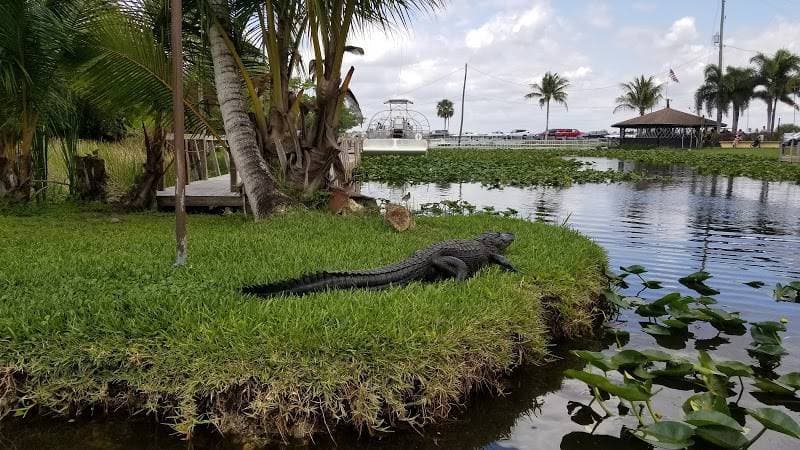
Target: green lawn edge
(94, 318)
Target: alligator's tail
(325, 281)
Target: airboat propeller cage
(397, 130)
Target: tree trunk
(547, 122)
(142, 194)
(769, 114)
(259, 184)
(735, 120)
(772, 120)
(17, 179)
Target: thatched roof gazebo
(665, 128)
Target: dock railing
(511, 144)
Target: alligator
(457, 259)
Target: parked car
(595, 134)
(561, 133)
(520, 134)
(439, 134)
(496, 135)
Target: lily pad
(634, 269)
(628, 391)
(776, 420)
(706, 402)
(734, 369)
(667, 434)
(765, 385)
(722, 437)
(709, 418)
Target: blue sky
(595, 43)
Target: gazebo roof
(667, 118)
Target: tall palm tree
(739, 83)
(775, 76)
(640, 94)
(713, 93)
(552, 88)
(444, 109)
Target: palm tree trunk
(769, 114)
(735, 119)
(259, 185)
(547, 122)
(772, 121)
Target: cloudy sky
(595, 43)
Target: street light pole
(176, 13)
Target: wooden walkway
(214, 192)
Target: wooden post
(213, 152)
(233, 174)
(203, 160)
(181, 239)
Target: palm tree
(713, 93)
(739, 83)
(776, 76)
(552, 88)
(37, 38)
(640, 94)
(287, 141)
(444, 109)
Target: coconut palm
(444, 109)
(552, 88)
(37, 38)
(776, 77)
(739, 83)
(713, 94)
(640, 95)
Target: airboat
(397, 130)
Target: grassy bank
(93, 317)
(551, 168)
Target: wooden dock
(215, 192)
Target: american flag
(672, 76)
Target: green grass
(93, 314)
(554, 168)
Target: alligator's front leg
(451, 266)
(503, 262)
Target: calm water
(736, 228)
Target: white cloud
(580, 72)
(682, 32)
(504, 26)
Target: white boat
(397, 131)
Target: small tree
(445, 110)
(640, 95)
(552, 88)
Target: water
(735, 228)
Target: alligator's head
(499, 241)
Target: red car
(561, 133)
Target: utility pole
(463, 92)
(721, 70)
(176, 18)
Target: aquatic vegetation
(498, 168)
(491, 167)
(759, 164)
(630, 375)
